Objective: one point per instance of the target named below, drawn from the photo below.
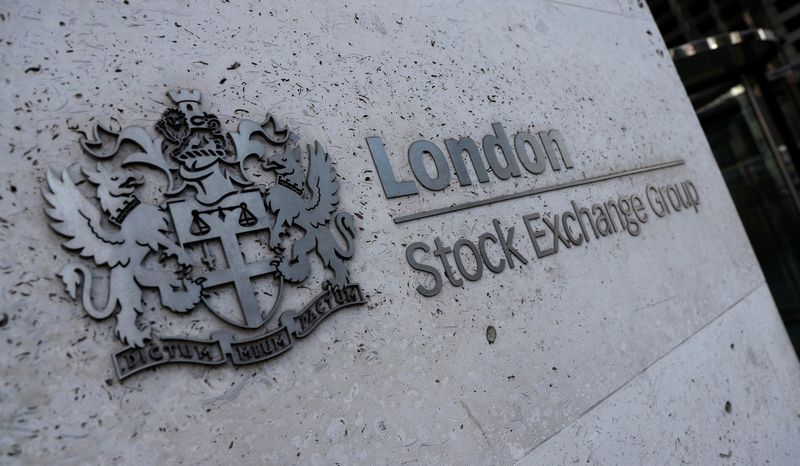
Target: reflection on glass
(760, 192)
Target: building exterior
(739, 62)
(684, 21)
(377, 233)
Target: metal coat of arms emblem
(186, 245)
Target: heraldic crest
(182, 241)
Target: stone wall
(647, 348)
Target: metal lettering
(577, 241)
(415, 154)
(638, 208)
(457, 247)
(676, 204)
(691, 193)
(456, 149)
(441, 252)
(416, 265)
(493, 141)
(561, 229)
(523, 138)
(555, 146)
(391, 186)
(631, 222)
(536, 234)
(507, 243)
(154, 353)
(482, 247)
(555, 228)
(655, 201)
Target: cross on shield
(236, 214)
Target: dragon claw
(274, 241)
(331, 285)
(136, 339)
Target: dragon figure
(309, 204)
(140, 231)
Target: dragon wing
(323, 185)
(75, 217)
(150, 153)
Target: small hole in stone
(491, 334)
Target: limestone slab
(405, 378)
(720, 398)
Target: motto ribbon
(224, 346)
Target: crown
(291, 185)
(188, 101)
(122, 212)
(184, 95)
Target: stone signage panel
(444, 233)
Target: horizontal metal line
(532, 192)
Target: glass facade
(760, 185)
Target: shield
(234, 215)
